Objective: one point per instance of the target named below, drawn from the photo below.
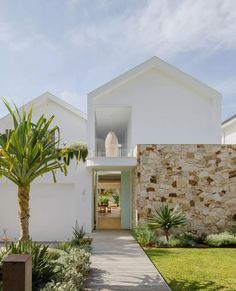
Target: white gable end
(71, 121)
(167, 106)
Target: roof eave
(49, 96)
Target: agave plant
(165, 219)
(27, 151)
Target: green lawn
(187, 269)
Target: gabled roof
(161, 65)
(45, 97)
(229, 121)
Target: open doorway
(108, 200)
(112, 199)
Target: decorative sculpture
(111, 145)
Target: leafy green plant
(78, 234)
(3, 253)
(64, 246)
(74, 150)
(79, 238)
(76, 266)
(161, 241)
(53, 255)
(103, 200)
(165, 219)
(221, 239)
(116, 199)
(143, 235)
(27, 151)
(185, 239)
(233, 229)
(107, 192)
(44, 269)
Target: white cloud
(228, 89)
(75, 98)
(164, 27)
(15, 40)
(228, 86)
(10, 40)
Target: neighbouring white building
(153, 103)
(229, 131)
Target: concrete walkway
(119, 263)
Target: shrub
(233, 229)
(161, 241)
(2, 256)
(185, 239)
(143, 235)
(64, 246)
(79, 239)
(221, 239)
(78, 232)
(44, 270)
(53, 255)
(76, 265)
(116, 199)
(165, 219)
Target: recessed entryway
(112, 200)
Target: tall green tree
(29, 150)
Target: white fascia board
(228, 122)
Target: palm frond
(166, 218)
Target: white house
(153, 103)
(229, 131)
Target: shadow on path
(96, 281)
(182, 285)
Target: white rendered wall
(54, 208)
(164, 111)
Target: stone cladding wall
(200, 179)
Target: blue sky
(70, 47)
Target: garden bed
(61, 267)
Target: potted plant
(103, 201)
(116, 199)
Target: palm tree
(166, 218)
(27, 151)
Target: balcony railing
(122, 152)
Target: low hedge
(224, 239)
(148, 238)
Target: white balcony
(124, 160)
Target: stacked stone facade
(200, 179)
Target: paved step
(119, 263)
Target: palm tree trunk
(167, 234)
(23, 200)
